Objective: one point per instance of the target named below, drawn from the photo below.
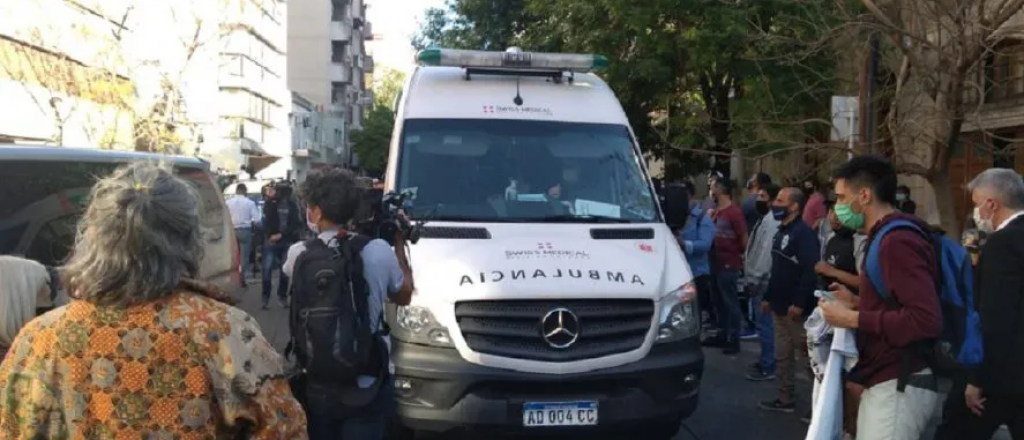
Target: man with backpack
(992, 394)
(340, 280)
(898, 311)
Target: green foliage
(716, 75)
(474, 24)
(372, 142)
(387, 87)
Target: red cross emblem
(646, 247)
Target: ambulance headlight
(679, 315)
(417, 325)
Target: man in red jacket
(891, 337)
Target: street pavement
(728, 406)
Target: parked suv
(44, 191)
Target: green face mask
(849, 218)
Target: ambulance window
(521, 170)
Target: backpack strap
(873, 269)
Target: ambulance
(550, 294)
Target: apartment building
(61, 78)
(327, 60)
(316, 136)
(252, 99)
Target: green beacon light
(514, 58)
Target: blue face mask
(779, 212)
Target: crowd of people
(787, 251)
(143, 348)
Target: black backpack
(330, 322)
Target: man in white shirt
(244, 216)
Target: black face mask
(761, 207)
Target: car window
(43, 201)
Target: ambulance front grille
(514, 328)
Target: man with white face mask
(993, 394)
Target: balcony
(368, 31)
(341, 31)
(340, 73)
(368, 64)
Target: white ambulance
(551, 296)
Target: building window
(339, 52)
(1004, 71)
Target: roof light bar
(512, 59)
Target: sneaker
(748, 334)
(777, 405)
(754, 367)
(283, 303)
(806, 418)
(760, 376)
(265, 306)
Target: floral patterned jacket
(184, 367)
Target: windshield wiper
(579, 218)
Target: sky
(395, 22)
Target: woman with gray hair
(24, 288)
(144, 350)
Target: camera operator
(333, 198)
(282, 224)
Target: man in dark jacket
(993, 394)
(282, 223)
(890, 335)
(790, 295)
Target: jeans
(244, 238)
(273, 257)
(329, 420)
(765, 331)
(730, 316)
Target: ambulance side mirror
(675, 203)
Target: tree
(373, 142)
(475, 24)
(58, 83)
(387, 87)
(934, 55)
(691, 74)
(124, 90)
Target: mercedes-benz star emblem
(560, 328)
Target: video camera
(380, 217)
